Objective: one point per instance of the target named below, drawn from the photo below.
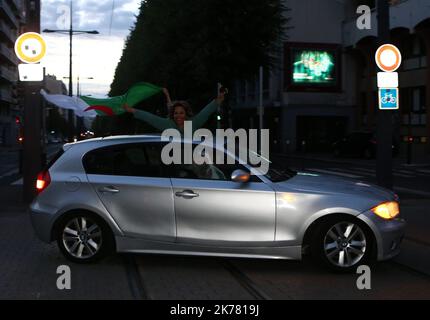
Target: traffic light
(17, 120)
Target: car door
(133, 186)
(212, 210)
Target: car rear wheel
(84, 238)
(342, 245)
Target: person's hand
(166, 92)
(221, 95)
(127, 108)
(168, 99)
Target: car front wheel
(342, 245)
(83, 238)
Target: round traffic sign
(30, 47)
(388, 58)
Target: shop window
(414, 52)
(413, 106)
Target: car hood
(327, 184)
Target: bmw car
(115, 194)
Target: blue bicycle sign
(388, 99)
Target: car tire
(341, 252)
(84, 238)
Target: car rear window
(54, 159)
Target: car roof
(113, 140)
(116, 138)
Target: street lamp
(71, 32)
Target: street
(29, 267)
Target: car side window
(207, 171)
(139, 160)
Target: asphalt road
(28, 267)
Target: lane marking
(370, 171)
(336, 173)
(395, 173)
(19, 182)
(404, 171)
(352, 171)
(412, 191)
(9, 173)
(424, 171)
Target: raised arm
(202, 117)
(151, 119)
(168, 99)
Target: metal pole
(44, 155)
(384, 161)
(218, 122)
(70, 112)
(261, 109)
(31, 151)
(409, 142)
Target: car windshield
(277, 170)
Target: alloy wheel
(82, 238)
(345, 244)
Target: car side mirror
(240, 176)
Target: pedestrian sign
(388, 99)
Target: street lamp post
(71, 32)
(80, 120)
(384, 154)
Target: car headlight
(387, 210)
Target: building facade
(325, 84)
(11, 18)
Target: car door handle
(109, 189)
(187, 194)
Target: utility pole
(384, 154)
(71, 32)
(260, 106)
(71, 114)
(32, 144)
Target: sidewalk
(327, 157)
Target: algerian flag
(71, 103)
(89, 106)
(114, 106)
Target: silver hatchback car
(115, 194)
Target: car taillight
(43, 181)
